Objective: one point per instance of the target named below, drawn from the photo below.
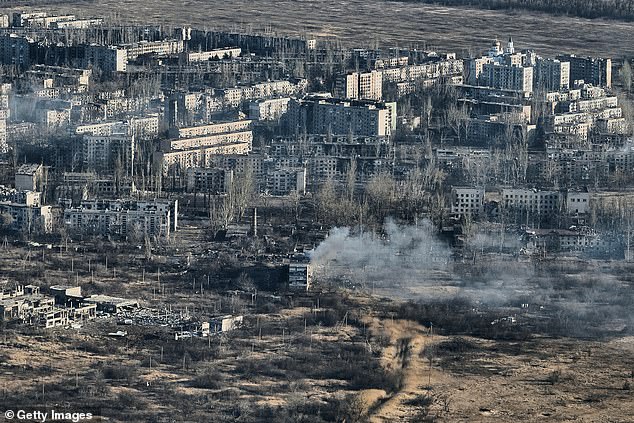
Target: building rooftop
(28, 169)
(106, 299)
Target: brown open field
(345, 355)
(391, 23)
(285, 376)
(553, 379)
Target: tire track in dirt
(404, 354)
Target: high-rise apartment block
(317, 115)
(508, 77)
(106, 58)
(502, 69)
(15, 50)
(552, 74)
(360, 85)
(592, 70)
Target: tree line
(590, 9)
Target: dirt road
(404, 354)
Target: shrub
(210, 379)
(119, 372)
(554, 377)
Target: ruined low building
(65, 294)
(30, 177)
(110, 304)
(55, 318)
(26, 305)
(222, 324)
(62, 307)
(83, 312)
(22, 307)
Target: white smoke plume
(400, 259)
(413, 262)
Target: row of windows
(530, 196)
(529, 202)
(465, 210)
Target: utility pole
(431, 332)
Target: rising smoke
(399, 259)
(412, 262)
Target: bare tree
(380, 193)
(456, 118)
(6, 220)
(351, 178)
(326, 201)
(243, 187)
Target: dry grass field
(347, 355)
(389, 23)
(291, 374)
